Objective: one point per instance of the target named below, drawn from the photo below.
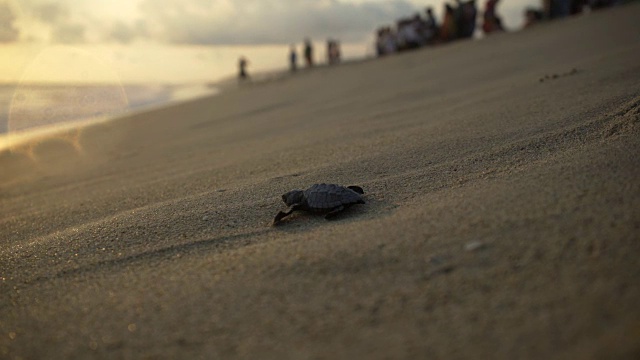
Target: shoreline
(179, 94)
(16, 138)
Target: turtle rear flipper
(357, 189)
(332, 214)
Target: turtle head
(293, 197)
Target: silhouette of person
(466, 13)
(448, 30)
(491, 20)
(293, 59)
(333, 52)
(308, 52)
(430, 29)
(336, 53)
(242, 67)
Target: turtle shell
(320, 197)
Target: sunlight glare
(87, 88)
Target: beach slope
(502, 217)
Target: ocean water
(28, 107)
(51, 85)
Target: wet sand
(502, 215)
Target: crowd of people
(333, 57)
(557, 9)
(460, 20)
(333, 54)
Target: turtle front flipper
(357, 189)
(282, 214)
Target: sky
(185, 40)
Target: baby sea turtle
(329, 198)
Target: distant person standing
(559, 8)
(386, 41)
(293, 59)
(467, 13)
(333, 52)
(491, 20)
(242, 67)
(448, 29)
(308, 52)
(336, 53)
(430, 29)
(330, 52)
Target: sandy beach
(502, 219)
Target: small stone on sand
(474, 246)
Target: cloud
(122, 32)
(8, 31)
(58, 22)
(68, 33)
(210, 22)
(51, 13)
(223, 22)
